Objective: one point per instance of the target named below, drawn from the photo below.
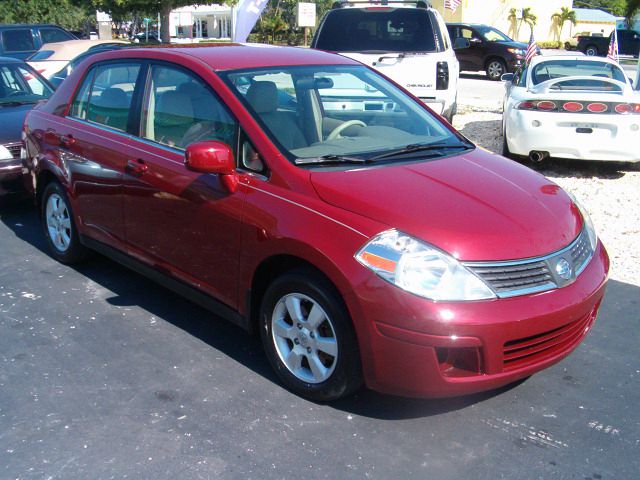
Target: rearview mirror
(213, 157)
(461, 43)
(507, 77)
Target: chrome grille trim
(533, 275)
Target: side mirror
(507, 77)
(461, 43)
(213, 157)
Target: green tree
(528, 17)
(560, 18)
(59, 12)
(614, 7)
(633, 7)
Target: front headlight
(5, 154)
(588, 224)
(420, 268)
(517, 51)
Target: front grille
(533, 275)
(524, 351)
(508, 278)
(14, 149)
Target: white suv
(406, 41)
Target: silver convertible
(571, 106)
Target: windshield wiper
(419, 147)
(330, 158)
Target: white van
(406, 41)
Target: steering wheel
(335, 133)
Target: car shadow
(479, 75)
(132, 289)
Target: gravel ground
(609, 191)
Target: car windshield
(331, 111)
(20, 84)
(553, 69)
(388, 30)
(491, 34)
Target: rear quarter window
(18, 40)
(361, 30)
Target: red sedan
(302, 195)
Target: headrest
(263, 97)
(174, 108)
(113, 98)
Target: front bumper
(410, 342)
(605, 137)
(10, 175)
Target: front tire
(495, 69)
(309, 338)
(59, 226)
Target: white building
(200, 22)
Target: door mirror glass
(461, 43)
(507, 77)
(210, 157)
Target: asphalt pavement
(104, 374)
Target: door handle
(67, 140)
(136, 167)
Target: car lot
(105, 374)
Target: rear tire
(59, 227)
(495, 69)
(591, 50)
(309, 338)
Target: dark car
(628, 43)
(21, 87)
(22, 40)
(489, 49)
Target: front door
(179, 221)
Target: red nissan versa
(302, 194)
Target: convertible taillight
(579, 107)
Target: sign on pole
(306, 15)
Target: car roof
(70, 49)
(23, 25)
(232, 56)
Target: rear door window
(18, 40)
(360, 30)
(51, 35)
(105, 95)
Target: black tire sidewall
(347, 375)
(76, 251)
(503, 67)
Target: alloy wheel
(495, 69)
(58, 222)
(304, 338)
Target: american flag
(452, 4)
(532, 49)
(612, 53)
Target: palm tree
(633, 7)
(560, 18)
(528, 17)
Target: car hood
(521, 45)
(11, 119)
(476, 206)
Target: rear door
(95, 143)
(179, 221)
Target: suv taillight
(442, 76)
